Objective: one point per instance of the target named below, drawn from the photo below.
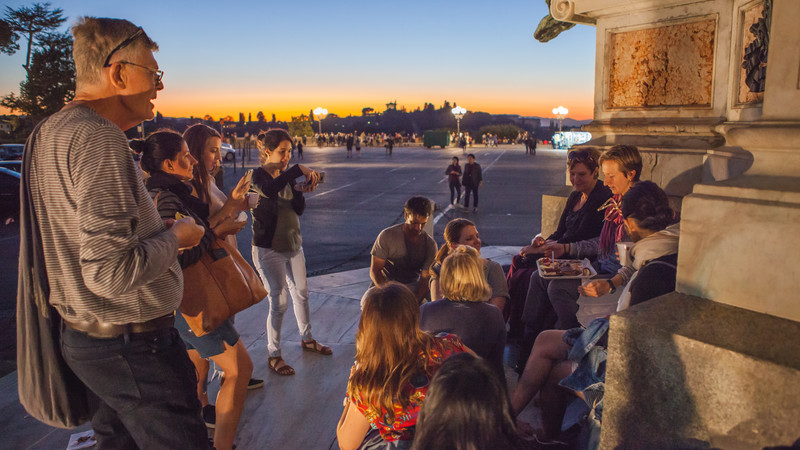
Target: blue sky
(288, 57)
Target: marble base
(740, 245)
(686, 372)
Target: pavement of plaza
(301, 411)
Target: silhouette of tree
(8, 39)
(260, 117)
(51, 78)
(34, 23)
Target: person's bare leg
(547, 351)
(555, 399)
(201, 366)
(238, 368)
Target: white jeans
(280, 271)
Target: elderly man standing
(404, 252)
(111, 264)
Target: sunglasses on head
(580, 155)
(123, 44)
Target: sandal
(316, 347)
(279, 366)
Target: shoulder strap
(32, 270)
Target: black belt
(111, 330)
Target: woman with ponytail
(166, 158)
(277, 242)
(463, 232)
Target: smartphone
(321, 177)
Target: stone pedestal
(717, 362)
(697, 374)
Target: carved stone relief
(664, 66)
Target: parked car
(228, 152)
(11, 151)
(9, 190)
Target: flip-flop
(316, 347)
(279, 366)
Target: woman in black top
(277, 244)
(580, 220)
(453, 173)
(166, 157)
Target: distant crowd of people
(118, 266)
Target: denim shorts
(208, 345)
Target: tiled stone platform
(298, 412)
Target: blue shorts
(208, 345)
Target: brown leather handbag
(218, 286)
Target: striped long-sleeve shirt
(107, 254)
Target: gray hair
(95, 38)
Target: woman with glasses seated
(554, 303)
(580, 220)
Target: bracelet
(611, 283)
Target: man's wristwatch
(611, 284)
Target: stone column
(717, 362)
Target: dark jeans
(550, 304)
(467, 190)
(455, 191)
(144, 386)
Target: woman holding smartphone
(166, 157)
(278, 244)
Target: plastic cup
(252, 199)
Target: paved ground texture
(360, 197)
(364, 195)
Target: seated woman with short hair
(580, 220)
(649, 220)
(464, 310)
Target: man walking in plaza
(472, 180)
(112, 269)
(405, 252)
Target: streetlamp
(560, 114)
(459, 113)
(320, 113)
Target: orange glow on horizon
(169, 106)
(188, 104)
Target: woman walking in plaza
(453, 173)
(166, 157)
(277, 242)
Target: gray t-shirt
(287, 236)
(496, 279)
(403, 266)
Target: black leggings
(455, 191)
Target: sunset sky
(222, 58)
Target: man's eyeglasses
(157, 74)
(122, 45)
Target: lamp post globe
(320, 113)
(560, 112)
(458, 112)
